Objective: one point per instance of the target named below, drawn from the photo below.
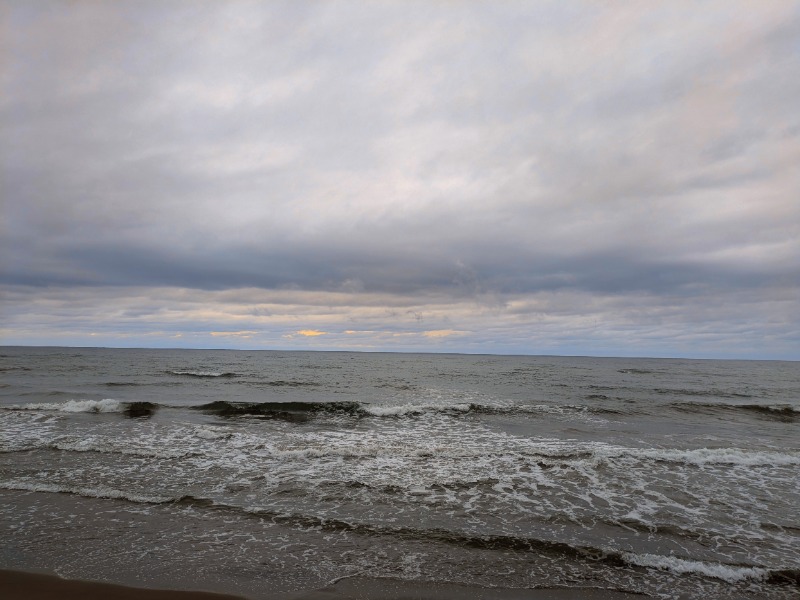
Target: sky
(580, 178)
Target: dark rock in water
(140, 409)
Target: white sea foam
(26, 430)
(140, 448)
(468, 468)
(95, 492)
(705, 456)
(466, 407)
(728, 573)
(414, 409)
(201, 373)
(592, 452)
(212, 433)
(106, 405)
(365, 451)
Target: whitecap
(681, 566)
(98, 492)
(106, 405)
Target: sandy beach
(19, 585)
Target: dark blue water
(267, 473)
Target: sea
(269, 473)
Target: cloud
(311, 332)
(559, 322)
(238, 334)
(441, 333)
(474, 164)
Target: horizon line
(510, 354)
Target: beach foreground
(20, 585)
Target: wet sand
(18, 585)
(364, 588)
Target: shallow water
(270, 472)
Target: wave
(417, 409)
(98, 492)
(726, 572)
(283, 383)
(226, 374)
(292, 411)
(730, 573)
(73, 406)
(532, 409)
(682, 566)
(713, 393)
(777, 412)
(73, 444)
(139, 409)
(305, 410)
(302, 411)
(546, 454)
(697, 457)
(51, 393)
(107, 405)
(401, 387)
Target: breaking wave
(202, 373)
(97, 492)
(107, 405)
(283, 383)
(712, 393)
(697, 457)
(305, 410)
(780, 412)
(681, 566)
(292, 411)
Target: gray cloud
(476, 152)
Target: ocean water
(268, 473)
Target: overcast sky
(615, 178)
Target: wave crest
(778, 412)
(107, 405)
(227, 374)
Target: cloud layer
(473, 176)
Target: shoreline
(21, 585)
(26, 585)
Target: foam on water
(472, 474)
(558, 550)
(107, 405)
(21, 431)
(414, 409)
(729, 573)
(211, 433)
(212, 374)
(98, 492)
(721, 456)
